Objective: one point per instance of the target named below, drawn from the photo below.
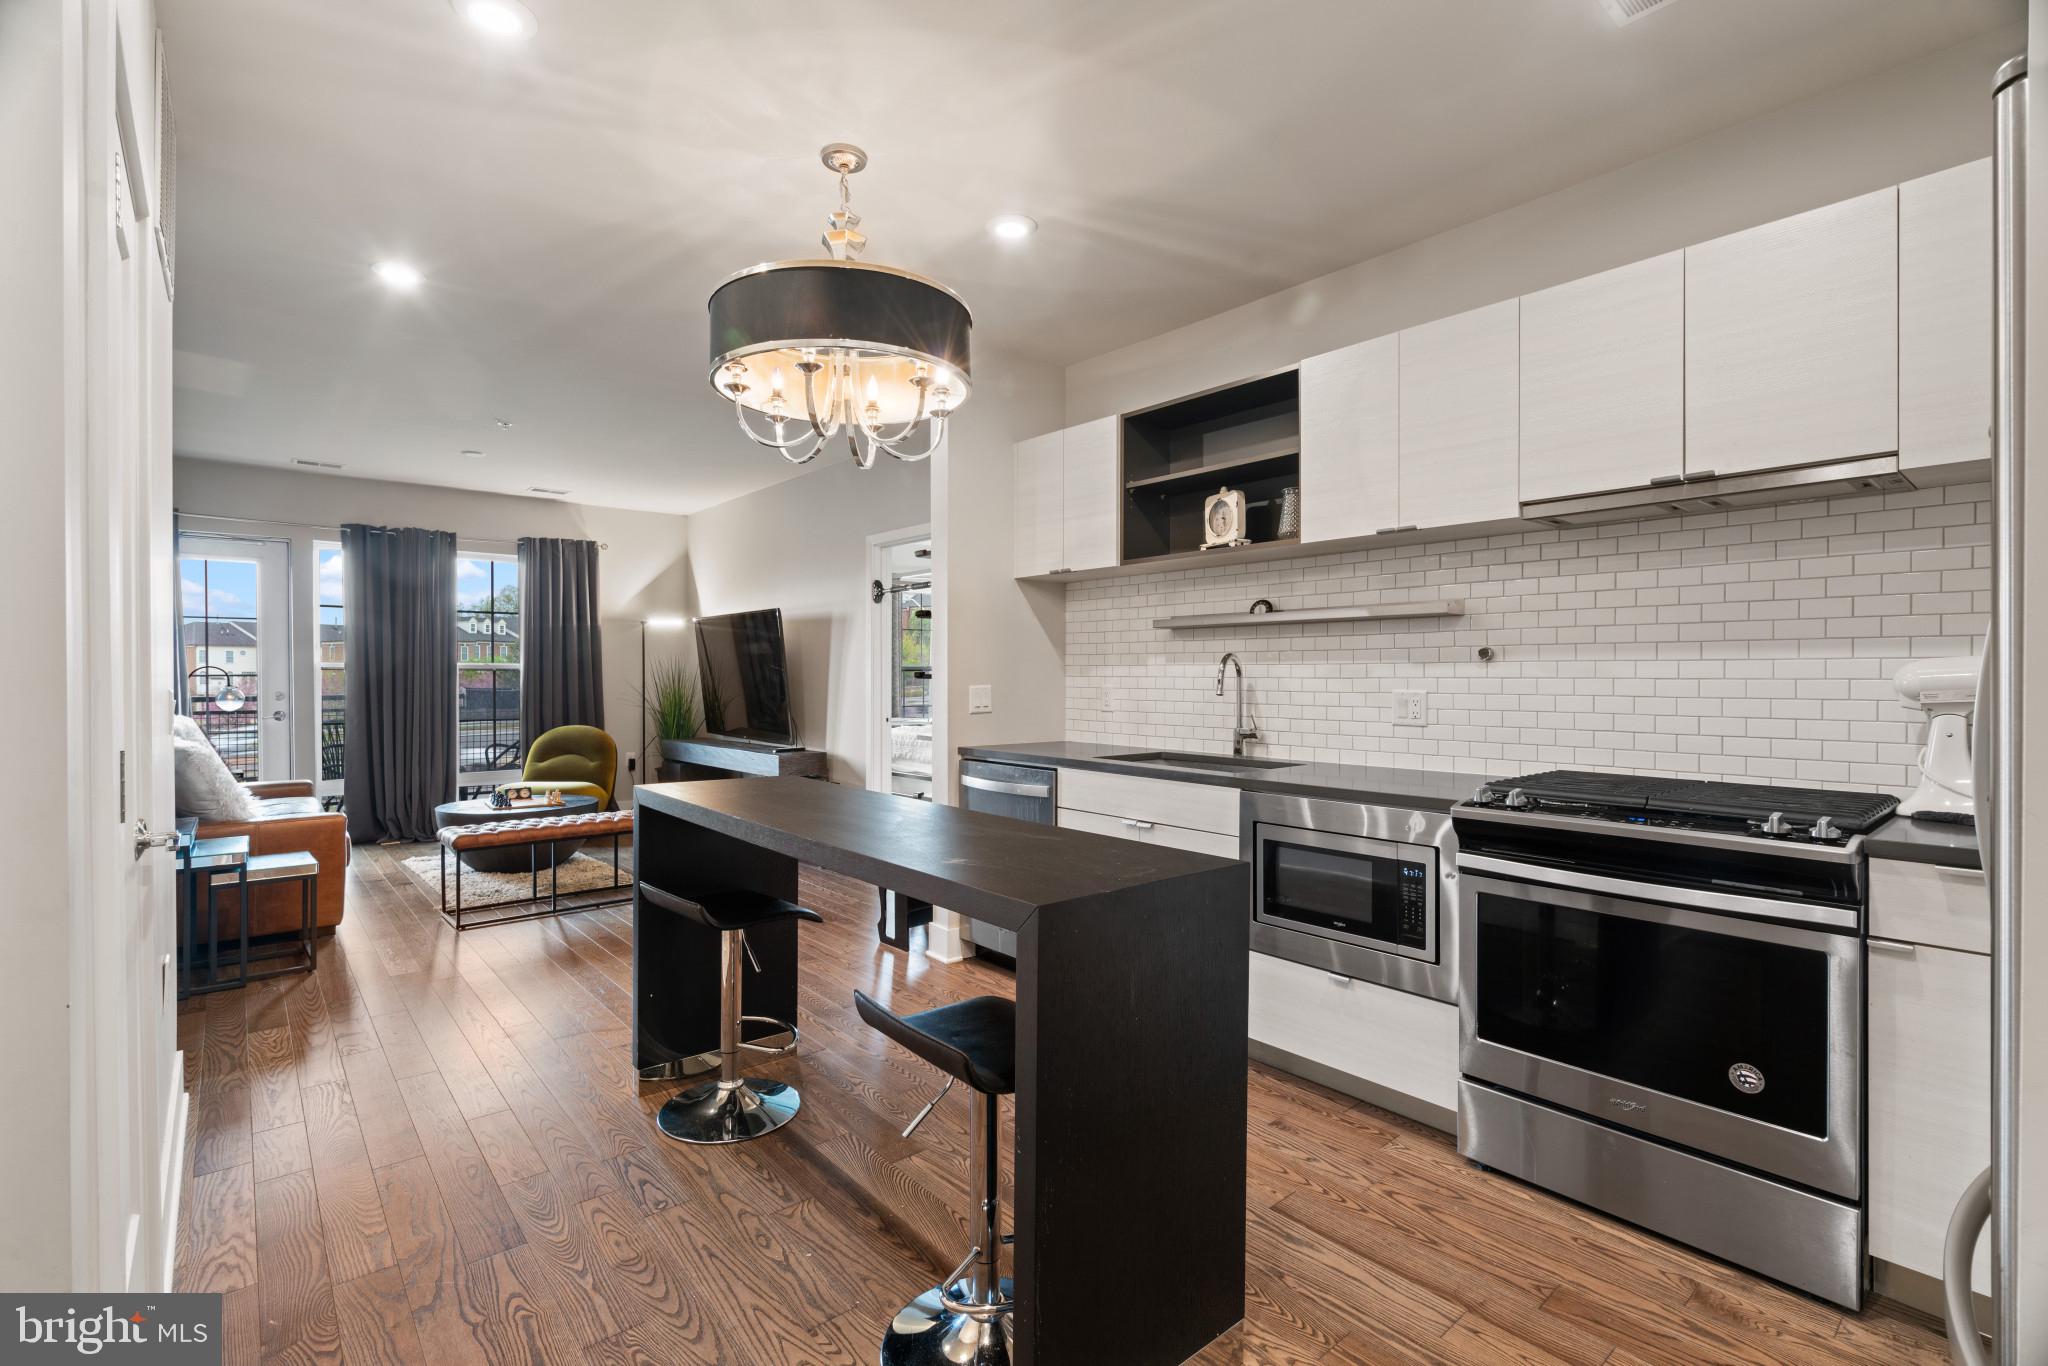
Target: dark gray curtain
(399, 632)
(561, 673)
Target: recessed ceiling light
(474, 455)
(499, 18)
(398, 274)
(1011, 227)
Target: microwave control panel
(1414, 931)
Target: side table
(209, 859)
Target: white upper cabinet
(1945, 317)
(1792, 340)
(1351, 440)
(1459, 420)
(1038, 504)
(1092, 496)
(1603, 381)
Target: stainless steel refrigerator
(1999, 1197)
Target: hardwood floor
(431, 1152)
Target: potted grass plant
(672, 710)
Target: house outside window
(488, 656)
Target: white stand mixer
(1946, 689)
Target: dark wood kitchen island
(1132, 979)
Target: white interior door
(131, 1114)
(234, 650)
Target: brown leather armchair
(291, 821)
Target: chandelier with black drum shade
(808, 349)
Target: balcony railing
(233, 737)
(486, 743)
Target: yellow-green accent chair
(580, 761)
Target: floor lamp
(650, 624)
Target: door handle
(1966, 1225)
(1892, 946)
(277, 715)
(1136, 825)
(146, 841)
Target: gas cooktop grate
(1853, 812)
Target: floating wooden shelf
(1316, 616)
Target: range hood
(1680, 497)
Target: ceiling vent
(318, 464)
(1628, 11)
(553, 493)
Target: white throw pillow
(184, 727)
(206, 788)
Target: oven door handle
(1760, 908)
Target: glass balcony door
(234, 650)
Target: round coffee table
(514, 858)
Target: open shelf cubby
(1246, 436)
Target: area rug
(579, 873)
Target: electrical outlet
(1411, 707)
(980, 699)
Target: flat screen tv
(743, 675)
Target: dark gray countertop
(990, 867)
(1407, 787)
(1911, 841)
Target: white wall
(989, 627)
(642, 571)
(36, 1234)
(801, 546)
(1917, 118)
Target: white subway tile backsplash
(1756, 645)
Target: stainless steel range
(1662, 1009)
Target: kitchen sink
(1219, 763)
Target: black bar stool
(734, 1108)
(966, 1319)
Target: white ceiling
(573, 199)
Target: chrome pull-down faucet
(1240, 732)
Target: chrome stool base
(926, 1333)
(718, 1112)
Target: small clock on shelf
(1223, 520)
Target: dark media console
(704, 757)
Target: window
(487, 653)
(332, 654)
(911, 644)
(217, 655)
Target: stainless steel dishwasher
(1021, 792)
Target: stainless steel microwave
(1352, 889)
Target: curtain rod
(250, 521)
(311, 526)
